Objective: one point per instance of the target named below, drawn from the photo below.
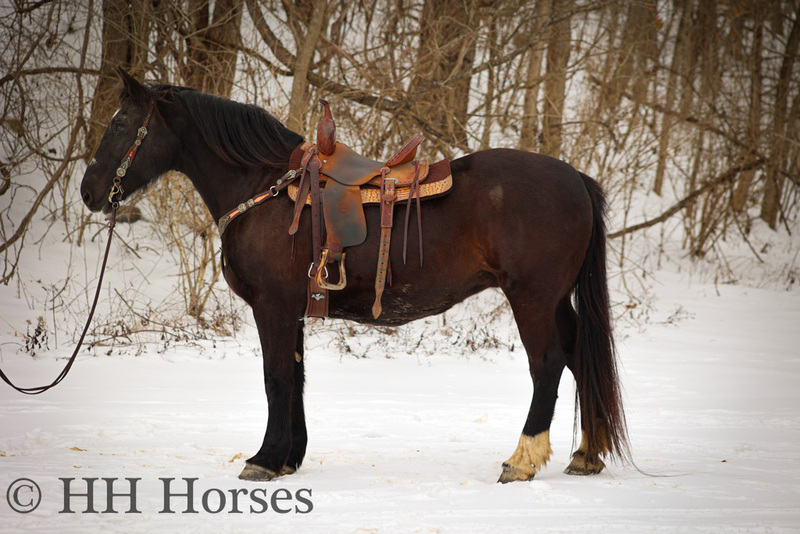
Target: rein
(113, 197)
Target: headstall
(116, 188)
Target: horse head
(122, 140)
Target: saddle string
(413, 193)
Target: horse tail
(595, 366)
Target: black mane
(241, 134)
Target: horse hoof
(286, 470)
(257, 473)
(581, 466)
(514, 474)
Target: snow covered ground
(414, 443)
(402, 440)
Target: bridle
(116, 187)
(114, 197)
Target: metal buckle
(311, 267)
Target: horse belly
(454, 265)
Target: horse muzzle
(95, 200)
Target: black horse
(526, 223)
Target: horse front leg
(299, 434)
(285, 440)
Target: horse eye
(119, 127)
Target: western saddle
(336, 182)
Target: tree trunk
(770, 205)
(681, 43)
(742, 191)
(636, 45)
(530, 113)
(212, 46)
(558, 50)
(125, 28)
(710, 81)
(439, 92)
(688, 71)
(307, 45)
(489, 96)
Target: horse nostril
(87, 198)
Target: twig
(16, 332)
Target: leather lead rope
(114, 197)
(41, 389)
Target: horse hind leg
(546, 362)
(583, 461)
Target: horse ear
(134, 87)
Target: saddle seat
(348, 167)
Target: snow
(413, 442)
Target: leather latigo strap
(304, 188)
(317, 299)
(316, 208)
(383, 267)
(388, 198)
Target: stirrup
(342, 277)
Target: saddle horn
(326, 131)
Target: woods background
(687, 111)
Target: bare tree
(695, 101)
(558, 50)
(753, 133)
(212, 39)
(126, 26)
(773, 186)
(530, 113)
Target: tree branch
(671, 112)
(46, 70)
(281, 53)
(47, 188)
(675, 208)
